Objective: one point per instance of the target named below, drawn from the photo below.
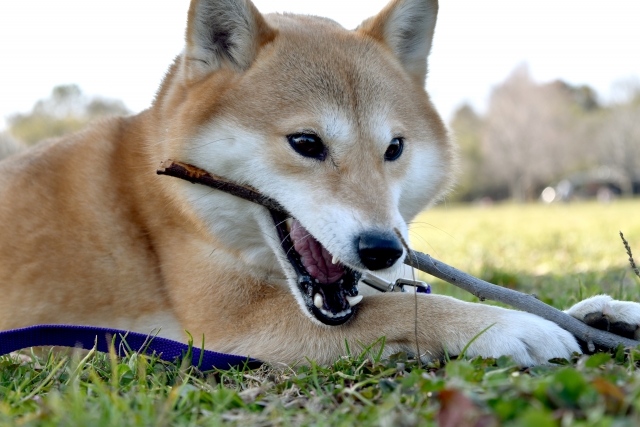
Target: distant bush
(66, 110)
(8, 145)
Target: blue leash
(88, 337)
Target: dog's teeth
(354, 300)
(318, 301)
(334, 260)
(330, 315)
(340, 282)
(289, 223)
(317, 281)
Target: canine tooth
(354, 300)
(289, 222)
(317, 281)
(340, 282)
(334, 260)
(318, 301)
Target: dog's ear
(406, 26)
(223, 33)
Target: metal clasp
(416, 286)
(400, 285)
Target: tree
(528, 135)
(534, 135)
(618, 143)
(66, 110)
(467, 128)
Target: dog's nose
(378, 251)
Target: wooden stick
(423, 262)
(525, 302)
(196, 175)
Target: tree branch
(196, 175)
(529, 303)
(423, 262)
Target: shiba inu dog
(333, 124)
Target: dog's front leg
(276, 330)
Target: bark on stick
(525, 302)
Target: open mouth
(329, 289)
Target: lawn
(560, 252)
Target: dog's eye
(394, 150)
(308, 145)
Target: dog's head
(333, 124)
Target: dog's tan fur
(91, 235)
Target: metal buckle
(400, 285)
(416, 285)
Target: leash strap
(89, 336)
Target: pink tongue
(315, 258)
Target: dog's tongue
(315, 258)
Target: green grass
(562, 253)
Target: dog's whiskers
(423, 223)
(211, 142)
(423, 240)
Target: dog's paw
(530, 340)
(605, 313)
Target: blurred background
(542, 96)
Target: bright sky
(121, 48)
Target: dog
(333, 124)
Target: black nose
(378, 251)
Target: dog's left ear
(407, 27)
(223, 34)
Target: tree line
(535, 134)
(532, 135)
(67, 109)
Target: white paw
(603, 312)
(529, 339)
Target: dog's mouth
(329, 289)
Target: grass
(563, 253)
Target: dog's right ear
(223, 33)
